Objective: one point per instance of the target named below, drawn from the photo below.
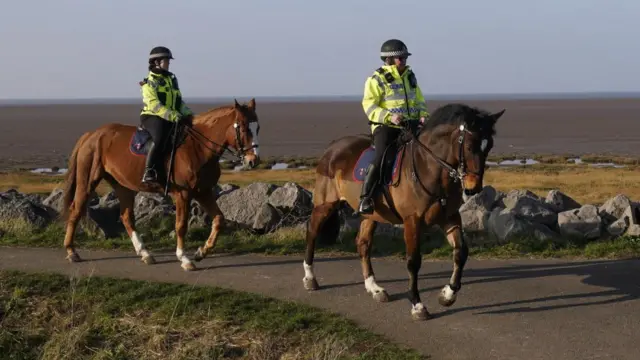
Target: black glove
(185, 119)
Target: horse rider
(163, 107)
(391, 96)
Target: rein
(206, 142)
(457, 174)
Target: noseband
(458, 174)
(240, 149)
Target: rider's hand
(396, 118)
(422, 120)
(183, 119)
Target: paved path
(522, 309)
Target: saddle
(390, 165)
(141, 140)
(391, 160)
(389, 169)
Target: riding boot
(366, 196)
(150, 173)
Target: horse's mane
(474, 119)
(212, 116)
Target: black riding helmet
(393, 48)
(160, 52)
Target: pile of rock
(494, 215)
(490, 215)
(259, 207)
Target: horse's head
(469, 133)
(243, 135)
(475, 141)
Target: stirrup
(150, 175)
(366, 206)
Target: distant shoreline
(336, 98)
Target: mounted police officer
(163, 107)
(391, 96)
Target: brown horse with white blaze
(438, 168)
(104, 154)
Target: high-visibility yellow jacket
(162, 97)
(387, 92)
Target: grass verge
(47, 316)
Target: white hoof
(310, 283)
(148, 259)
(419, 312)
(309, 279)
(381, 296)
(447, 296)
(378, 293)
(74, 257)
(188, 266)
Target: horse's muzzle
(251, 161)
(472, 184)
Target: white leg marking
(254, 131)
(138, 245)
(182, 257)
(417, 308)
(308, 271)
(371, 286)
(447, 293)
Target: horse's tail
(71, 177)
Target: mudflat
(43, 135)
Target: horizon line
(345, 97)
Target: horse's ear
(252, 103)
(496, 116)
(235, 103)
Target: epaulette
(413, 82)
(387, 75)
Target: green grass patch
(47, 316)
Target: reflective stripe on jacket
(386, 93)
(162, 97)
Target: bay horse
(436, 169)
(108, 153)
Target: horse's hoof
(198, 255)
(381, 296)
(148, 259)
(188, 266)
(447, 296)
(419, 312)
(310, 284)
(74, 258)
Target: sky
(68, 49)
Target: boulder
(19, 213)
(584, 223)
(528, 206)
(559, 202)
(241, 207)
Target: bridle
(458, 175)
(238, 151)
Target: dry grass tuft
(587, 184)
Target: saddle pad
(390, 173)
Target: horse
(116, 153)
(437, 168)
